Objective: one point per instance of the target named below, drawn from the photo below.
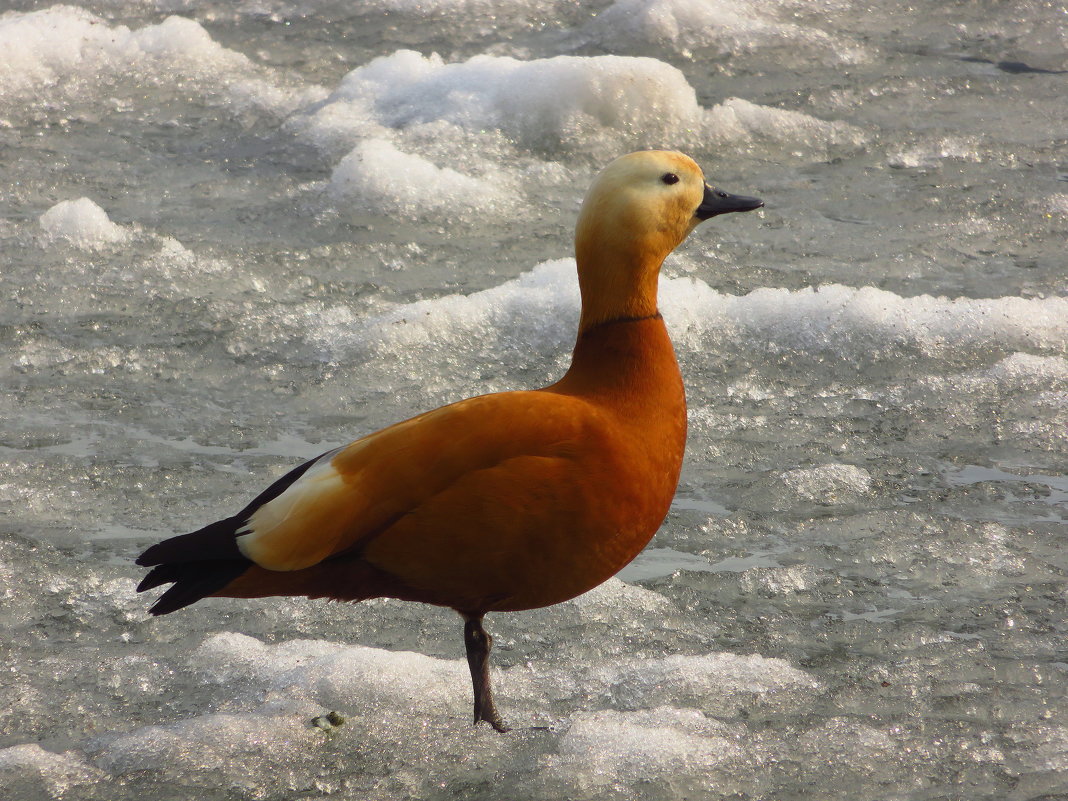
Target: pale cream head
(639, 209)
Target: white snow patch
(69, 46)
(602, 750)
(863, 322)
(242, 751)
(82, 223)
(597, 103)
(378, 175)
(1028, 369)
(703, 679)
(28, 771)
(616, 599)
(299, 678)
(569, 101)
(717, 683)
(930, 154)
(738, 120)
(772, 581)
(542, 302)
(539, 310)
(727, 27)
(335, 675)
(61, 43)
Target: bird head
(639, 209)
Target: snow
(64, 52)
(377, 175)
(605, 749)
(585, 103)
(726, 27)
(65, 43)
(83, 224)
(564, 101)
(238, 237)
(30, 771)
(540, 308)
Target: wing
(347, 498)
(527, 532)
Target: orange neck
(627, 362)
(618, 268)
(627, 292)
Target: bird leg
(478, 644)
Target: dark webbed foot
(478, 644)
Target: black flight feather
(206, 560)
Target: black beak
(716, 201)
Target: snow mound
(377, 175)
(83, 224)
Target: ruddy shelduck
(502, 502)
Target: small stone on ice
(328, 722)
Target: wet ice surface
(236, 237)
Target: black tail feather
(192, 581)
(197, 564)
(202, 562)
(161, 574)
(215, 541)
(219, 540)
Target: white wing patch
(300, 527)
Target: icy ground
(235, 234)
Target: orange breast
(537, 529)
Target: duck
(502, 502)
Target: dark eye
(669, 178)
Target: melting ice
(237, 234)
